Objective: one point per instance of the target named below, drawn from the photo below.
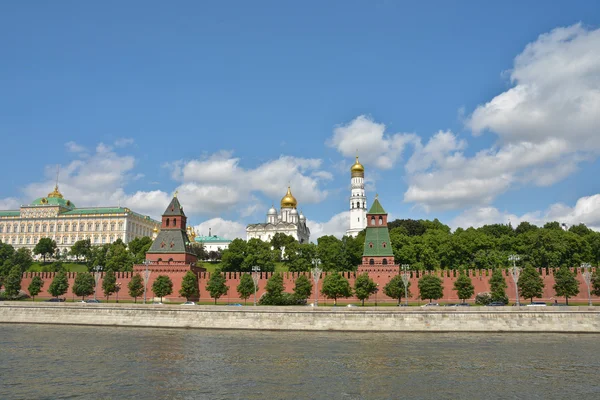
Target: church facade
(287, 221)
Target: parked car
(55, 300)
(189, 303)
(431, 305)
(235, 304)
(560, 305)
(496, 304)
(463, 305)
(94, 301)
(537, 304)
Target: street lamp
(255, 277)
(405, 277)
(587, 277)
(376, 291)
(146, 277)
(117, 289)
(97, 272)
(316, 274)
(515, 272)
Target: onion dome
(302, 217)
(289, 201)
(272, 211)
(155, 230)
(294, 212)
(55, 193)
(357, 169)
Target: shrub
(483, 299)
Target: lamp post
(117, 289)
(376, 291)
(587, 277)
(97, 271)
(405, 277)
(255, 277)
(515, 273)
(316, 274)
(146, 277)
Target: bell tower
(358, 199)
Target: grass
(70, 267)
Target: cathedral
(287, 221)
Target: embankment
(476, 319)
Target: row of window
(364, 204)
(384, 261)
(59, 228)
(60, 240)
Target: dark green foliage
(109, 284)
(241, 256)
(336, 286)
(303, 287)
(35, 287)
(12, 285)
(340, 254)
(430, 287)
(59, 285)
(189, 286)
(199, 250)
(275, 295)
(84, 285)
(81, 249)
(216, 285)
(395, 288)
(595, 284)
(22, 258)
(56, 266)
(136, 286)
(464, 287)
(483, 299)
(118, 258)
(246, 287)
(364, 287)
(281, 241)
(45, 247)
(162, 286)
(531, 284)
(498, 287)
(138, 248)
(299, 257)
(566, 285)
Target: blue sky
(465, 112)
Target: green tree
(138, 248)
(280, 242)
(35, 287)
(303, 287)
(595, 289)
(395, 288)
(300, 256)
(364, 287)
(336, 286)
(246, 287)
(136, 287)
(162, 286)
(45, 247)
(81, 249)
(199, 250)
(498, 287)
(118, 258)
(97, 256)
(531, 283)
(566, 285)
(84, 285)
(13, 283)
(274, 287)
(430, 287)
(464, 287)
(216, 285)
(109, 283)
(233, 257)
(59, 285)
(189, 286)
(22, 258)
(259, 253)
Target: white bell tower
(358, 200)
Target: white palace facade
(54, 217)
(287, 221)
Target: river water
(54, 362)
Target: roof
(377, 236)
(376, 208)
(10, 213)
(53, 201)
(174, 208)
(208, 239)
(170, 241)
(104, 210)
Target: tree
(246, 287)
(109, 284)
(464, 287)
(84, 285)
(189, 286)
(335, 286)
(531, 283)
(274, 287)
(566, 285)
(12, 285)
(81, 249)
(216, 285)
(498, 286)
(258, 253)
(280, 242)
(199, 250)
(595, 289)
(303, 287)
(22, 258)
(118, 258)
(136, 287)
(395, 288)
(35, 287)
(430, 287)
(45, 247)
(364, 287)
(138, 248)
(59, 285)
(162, 286)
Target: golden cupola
(289, 201)
(357, 169)
(55, 193)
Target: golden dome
(155, 230)
(289, 201)
(55, 193)
(357, 169)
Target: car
(560, 305)
(189, 303)
(537, 304)
(431, 305)
(496, 304)
(235, 304)
(55, 300)
(463, 305)
(94, 301)
(452, 305)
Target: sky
(467, 112)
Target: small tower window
(384, 262)
(384, 244)
(371, 245)
(371, 262)
(167, 221)
(380, 221)
(372, 220)
(174, 222)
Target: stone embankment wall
(506, 319)
(480, 279)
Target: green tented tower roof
(377, 243)
(376, 208)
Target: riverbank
(496, 319)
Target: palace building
(55, 217)
(287, 221)
(358, 200)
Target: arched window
(384, 244)
(371, 262)
(372, 220)
(380, 220)
(352, 205)
(174, 221)
(384, 261)
(357, 204)
(370, 245)
(167, 221)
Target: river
(75, 362)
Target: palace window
(44, 228)
(51, 228)
(104, 226)
(1, 228)
(66, 227)
(14, 241)
(103, 239)
(112, 226)
(37, 228)
(27, 240)
(65, 240)
(81, 227)
(20, 240)
(96, 240)
(97, 227)
(22, 228)
(59, 228)
(89, 226)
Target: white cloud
(220, 227)
(375, 146)
(124, 142)
(336, 226)
(74, 147)
(547, 124)
(9, 203)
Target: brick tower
(377, 253)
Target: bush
(483, 299)
(285, 299)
